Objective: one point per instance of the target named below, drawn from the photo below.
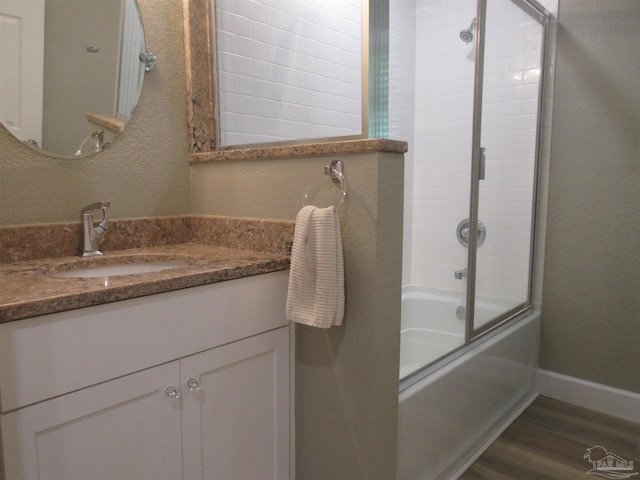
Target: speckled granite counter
(252, 247)
(28, 290)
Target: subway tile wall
(438, 170)
(288, 70)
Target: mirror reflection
(70, 72)
(289, 71)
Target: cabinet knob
(172, 392)
(194, 384)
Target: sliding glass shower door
(507, 108)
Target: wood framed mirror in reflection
(71, 72)
(278, 73)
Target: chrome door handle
(483, 163)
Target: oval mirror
(70, 72)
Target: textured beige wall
(145, 173)
(591, 300)
(346, 377)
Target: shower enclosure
(466, 92)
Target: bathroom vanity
(186, 383)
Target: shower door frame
(538, 13)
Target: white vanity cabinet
(170, 408)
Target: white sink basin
(116, 266)
(123, 269)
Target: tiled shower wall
(402, 54)
(438, 167)
(288, 70)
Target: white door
(236, 425)
(126, 428)
(22, 67)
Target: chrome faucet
(460, 274)
(97, 136)
(91, 234)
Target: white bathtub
(449, 416)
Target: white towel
(316, 277)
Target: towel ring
(334, 170)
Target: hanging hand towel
(316, 277)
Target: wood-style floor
(549, 441)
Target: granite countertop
(29, 290)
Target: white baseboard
(605, 399)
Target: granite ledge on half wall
(367, 145)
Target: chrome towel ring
(334, 170)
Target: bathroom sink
(116, 266)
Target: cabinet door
(236, 425)
(126, 428)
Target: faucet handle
(96, 206)
(88, 212)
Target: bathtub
(450, 413)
